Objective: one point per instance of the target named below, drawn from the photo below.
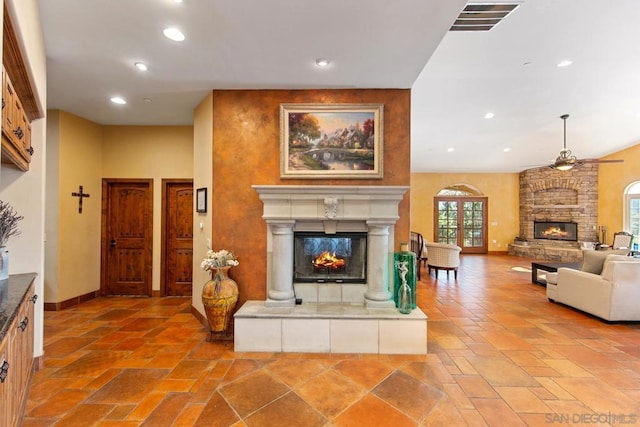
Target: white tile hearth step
(329, 328)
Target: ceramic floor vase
(219, 297)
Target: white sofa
(613, 295)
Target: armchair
(622, 240)
(443, 256)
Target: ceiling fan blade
(599, 161)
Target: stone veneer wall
(551, 195)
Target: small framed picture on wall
(201, 200)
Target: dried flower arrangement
(9, 219)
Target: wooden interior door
(177, 238)
(127, 236)
(462, 221)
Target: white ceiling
(250, 44)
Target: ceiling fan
(566, 161)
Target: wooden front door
(177, 237)
(127, 236)
(462, 221)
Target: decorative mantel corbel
(331, 207)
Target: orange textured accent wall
(246, 152)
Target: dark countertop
(18, 286)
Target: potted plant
(9, 219)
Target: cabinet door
(13, 375)
(16, 121)
(25, 344)
(5, 393)
(8, 102)
(21, 132)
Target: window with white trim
(632, 211)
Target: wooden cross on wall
(80, 195)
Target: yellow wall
(202, 177)
(613, 179)
(155, 152)
(79, 163)
(501, 189)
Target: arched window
(460, 190)
(632, 210)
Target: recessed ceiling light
(141, 66)
(489, 116)
(118, 100)
(173, 34)
(564, 63)
(506, 150)
(321, 62)
(451, 149)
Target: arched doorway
(460, 218)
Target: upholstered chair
(443, 256)
(622, 240)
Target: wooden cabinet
(16, 361)
(16, 128)
(4, 384)
(20, 106)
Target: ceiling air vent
(482, 16)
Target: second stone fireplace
(558, 212)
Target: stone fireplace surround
(344, 318)
(551, 195)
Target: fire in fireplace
(555, 230)
(320, 257)
(330, 261)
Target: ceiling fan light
(564, 166)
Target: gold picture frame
(326, 141)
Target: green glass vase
(404, 268)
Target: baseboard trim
(202, 319)
(38, 363)
(498, 253)
(57, 306)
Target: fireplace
(337, 295)
(567, 231)
(322, 258)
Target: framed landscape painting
(331, 140)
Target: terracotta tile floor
(499, 354)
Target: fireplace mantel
(308, 201)
(332, 208)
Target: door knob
(112, 243)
